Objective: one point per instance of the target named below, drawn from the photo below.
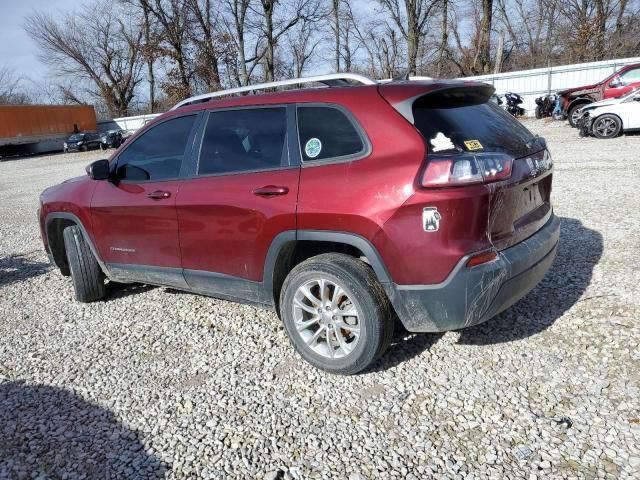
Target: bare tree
(174, 18)
(103, 50)
(11, 87)
(411, 18)
(303, 46)
(275, 26)
(208, 39)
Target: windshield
(76, 137)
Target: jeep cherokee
(342, 208)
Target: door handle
(159, 194)
(271, 190)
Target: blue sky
(17, 50)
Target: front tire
(86, 274)
(606, 126)
(336, 313)
(572, 114)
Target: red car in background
(615, 85)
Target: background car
(111, 139)
(615, 85)
(82, 142)
(608, 118)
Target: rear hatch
(461, 123)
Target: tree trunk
(149, 58)
(413, 36)
(336, 31)
(499, 52)
(269, 73)
(485, 36)
(444, 37)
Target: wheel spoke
(314, 338)
(352, 312)
(329, 342)
(355, 329)
(343, 345)
(304, 306)
(310, 296)
(304, 325)
(337, 294)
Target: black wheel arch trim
(347, 238)
(70, 216)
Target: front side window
(630, 76)
(157, 154)
(327, 133)
(244, 140)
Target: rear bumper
(470, 296)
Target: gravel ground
(158, 383)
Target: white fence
(543, 81)
(128, 124)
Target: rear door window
(327, 133)
(244, 140)
(157, 154)
(453, 124)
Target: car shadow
(579, 250)
(122, 290)
(18, 268)
(49, 432)
(404, 346)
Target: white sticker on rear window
(441, 142)
(313, 147)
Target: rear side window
(450, 125)
(244, 140)
(157, 154)
(327, 133)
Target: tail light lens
(466, 169)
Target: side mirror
(615, 83)
(99, 170)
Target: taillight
(466, 169)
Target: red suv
(342, 208)
(615, 85)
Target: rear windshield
(455, 126)
(76, 137)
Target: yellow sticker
(473, 145)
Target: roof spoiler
(403, 95)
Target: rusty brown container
(28, 123)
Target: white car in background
(607, 118)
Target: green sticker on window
(313, 147)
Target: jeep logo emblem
(431, 219)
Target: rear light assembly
(466, 169)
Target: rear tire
(606, 126)
(316, 318)
(86, 274)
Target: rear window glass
(476, 127)
(327, 133)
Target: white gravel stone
(155, 383)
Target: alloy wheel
(326, 318)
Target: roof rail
(331, 80)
